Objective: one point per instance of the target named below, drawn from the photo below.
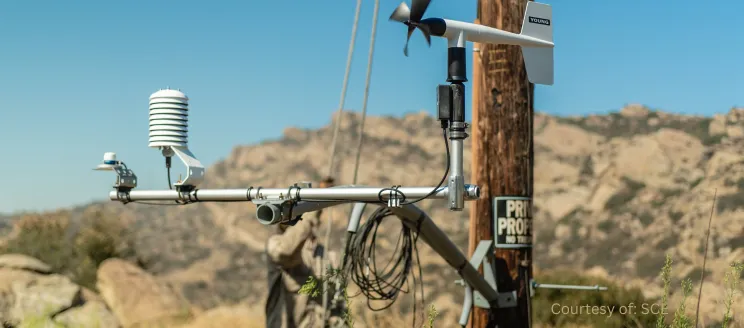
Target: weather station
(168, 133)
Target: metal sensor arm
(345, 194)
(281, 205)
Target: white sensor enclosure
(109, 162)
(169, 132)
(169, 119)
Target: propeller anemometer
(412, 18)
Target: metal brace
(484, 255)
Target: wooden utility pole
(502, 163)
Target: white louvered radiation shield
(168, 119)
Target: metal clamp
(395, 198)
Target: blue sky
(75, 76)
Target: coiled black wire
(360, 254)
(383, 284)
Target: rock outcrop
(137, 298)
(31, 295)
(30, 292)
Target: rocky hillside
(613, 194)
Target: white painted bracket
(194, 168)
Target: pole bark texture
(503, 158)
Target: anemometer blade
(418, 8)
(412, 18)
(401, 14)
(408, 38)
(424, 30)
(427, 33)
(538, 60)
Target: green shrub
(680, 318)
(550, 301)
(731, 283)
(697, 181)
(625, 195)
(71, 248)
(730, 202)
(676, 216)
(646, 218)
(646, 263)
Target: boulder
(41, 322)
(137, 298)
(89, 315)
(23, 262)
(26, 294)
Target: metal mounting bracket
(125, 178)
(194, 168)
(484, 255)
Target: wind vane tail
(538, 60)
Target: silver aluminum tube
(441, 244)
(457, 178)
(338, 194)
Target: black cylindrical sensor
(456, 70)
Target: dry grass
(229, 317)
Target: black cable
(394, 189)
(170, 186)
(387, 283)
